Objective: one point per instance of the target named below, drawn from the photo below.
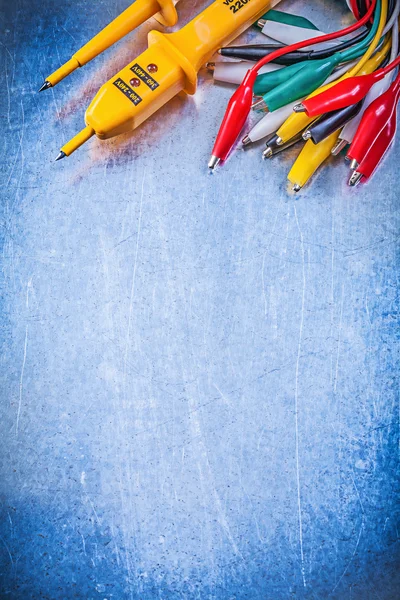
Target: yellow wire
(312, 156)
(298, 121)
(374, 44)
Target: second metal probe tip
(246, 140)
(268, 153)
(213, 162)
(46, 85)
(299, 108)
(60, 155)
(355, 178)
(259, 104)
(338, 147)
(353, 164)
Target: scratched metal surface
(199, 383)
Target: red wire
(354, 8)
(389, 67)
(240, 103)
(324, 38)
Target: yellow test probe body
(167, 67)
(136, 14)
(299, 121)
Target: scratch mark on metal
(351, 559)
(296, 401)
(21, 382)
(339, 340)
(128, 331)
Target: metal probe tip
(299, 107)
(246, 140)
(210, 66)
(60, 155)
(213, 162)
(260, 105)
(355, 178)
(296, 187)
(353, 164)
(261, 23)
(306, 135)
(279, 141)
(267, 152)
(338, 147)
(45, 86)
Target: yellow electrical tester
(167, 67)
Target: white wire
(391, 21)
(393, 18)
(395, 42)
(272, 121)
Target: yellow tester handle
(132, 17)
(167, 67)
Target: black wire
(340, 47)
(361, 5)
(391, 7)
(333, 121)
(362, 8)
(257, 51)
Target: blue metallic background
(199, 373)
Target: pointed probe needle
(45, 86)
(77, 141)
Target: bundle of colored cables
(342, 95)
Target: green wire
(295, 83)
(358, 49)
(279, 16)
